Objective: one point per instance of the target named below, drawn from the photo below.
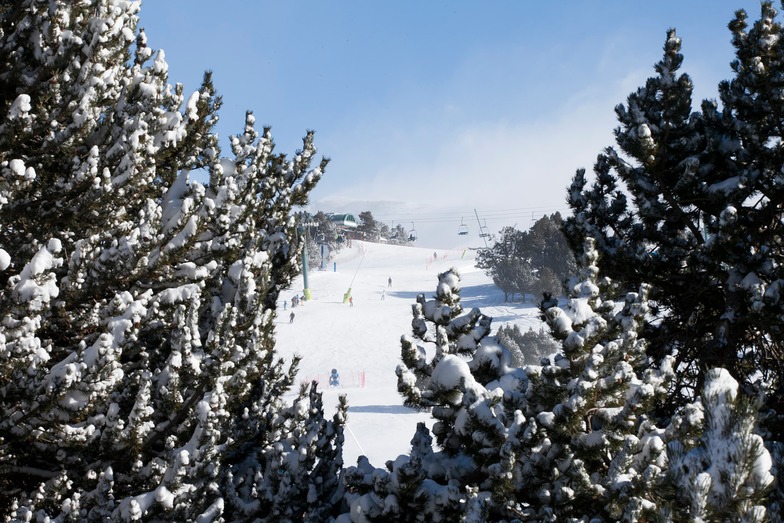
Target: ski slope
(363, 341)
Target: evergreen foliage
(536, 261)
(572, 440)
(507, 264)
(368, 227)
(320, 230)
(398, 235)
(440, 322)
(372, 230)
(529, 347)
(546, 246)
(663, 406)
(726, 475)
(692, 202)
(513, 276)
(139, 378)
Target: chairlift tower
(303, 228)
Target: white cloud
(490, 166)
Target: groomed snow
(363, 342)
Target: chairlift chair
(463, 229)
(483, 231)
(412, 235)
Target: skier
(285, 303)
(334, 378)
(383, 294)
(291, 317)
(350, 301)
(390, 281)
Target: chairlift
(463, 229)
(412, 235)
(483, 231)
(399, 233)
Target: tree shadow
(383, 409)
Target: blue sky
(430, 110)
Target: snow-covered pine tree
(704, 224)
(139, 379)
(746, 234)
(589, 449)
(654, 237)
(573, 441)
(719, 469)
(441, 324)
(445, 374)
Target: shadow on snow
(383, 409)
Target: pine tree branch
(30, 471)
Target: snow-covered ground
(363, 341)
